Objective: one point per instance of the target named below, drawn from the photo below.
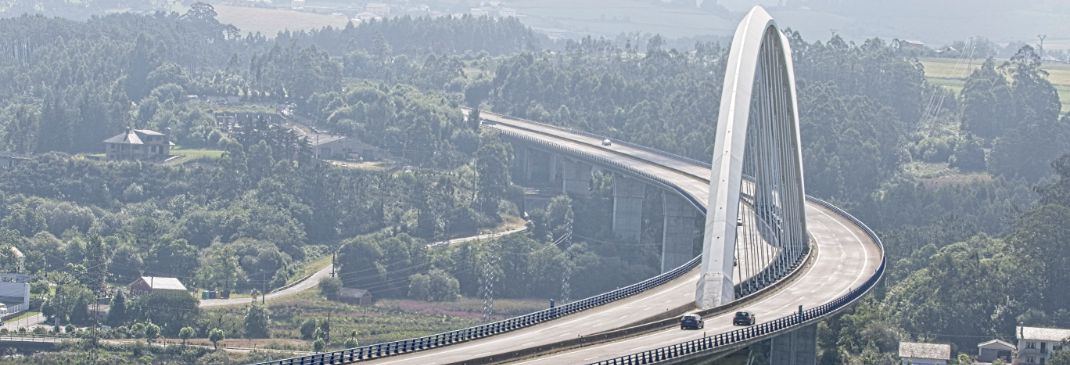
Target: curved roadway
(845, 257)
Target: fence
(386, 349)
(749, 334)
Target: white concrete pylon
(758, 96)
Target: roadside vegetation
(965, 186)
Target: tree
(172, 257)
(987, 104)
(492, 163)
(172, 310)
(319, 345)
(257, 322)
(117, 310)
(330, 287)
(308, 329)
(70, 303)
(443, 286)
(1060, 357)
(420, 286)
(185, 334)
(219, 269)
(96, 263)
(325, 330)
(215, 335)
(969, 155)
(152, 332)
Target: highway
(845, 258)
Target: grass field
(573, 17)
(270, 22)
(387, 320)
(952, 73)
(187, 155)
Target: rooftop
(132, 136)
(352, 292)
(918, 350)
(1043, 334)
(996, 344)
(162, 283)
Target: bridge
(763, 245)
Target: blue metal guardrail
(386, 349)
(744, 335)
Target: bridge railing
(386, 349)
(760, 331)
(593, 135)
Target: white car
(607, 142)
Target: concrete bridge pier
(628, 197)
(798, 347)
(534, 167)
(681, 231)
(575, 177)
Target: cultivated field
(951, 73)
(269, 21)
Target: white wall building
(15, 292)
(1036, 344)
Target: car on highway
(743, 318)
(691, 321)
(607, 142)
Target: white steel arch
(757, 137)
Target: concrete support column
(799, 347)
(554, 168)
(628, 197)
(527, 163)
(576, 177)
(680, 232)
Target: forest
(969, 191)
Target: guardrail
(381, 350)
(590, 134)
(29, 337)
(746, 335)
(387, 349)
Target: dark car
(744, 319)
(691, 322)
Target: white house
(1036, 344)
(989, 351)
(916, 353)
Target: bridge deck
(845, 258)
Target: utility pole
(486, 286)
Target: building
(995, 349)
(138, 144)
(917, 353)
(909, 45)
(334, 147)
(1036, 344)
(355, 296)
(9, 160)
(15, 292)
(150, 284)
